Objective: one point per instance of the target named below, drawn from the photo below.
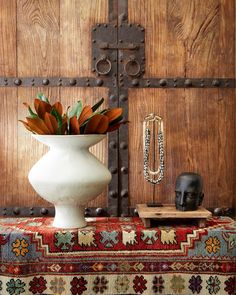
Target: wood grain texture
(89, 97)
(38, 54)
(38, 37)
(7, 38)
(8, 110)
(8, 143)
(187, 37)
(76, 21)
(152, 15)
(199, 128)
(169, 211)
(139, 106)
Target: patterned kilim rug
(117, 256)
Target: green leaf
(42, 97)
(76, 110)
(97, 105)
(32, 114)
(59, 120)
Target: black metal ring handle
(103, 60)
(128, 64)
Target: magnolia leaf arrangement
(49, 118)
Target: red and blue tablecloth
(117, 256)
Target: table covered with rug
(117, 256)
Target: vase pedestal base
(69, 217)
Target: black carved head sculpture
(188, 191)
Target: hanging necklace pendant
(153, 176)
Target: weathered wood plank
(194, 30)
(8, 142)
(8, 110)
(76, 19)
(8, 38)
(199, 136)
(187, 38)
(140, 105)
(152, 16)
(169, 211)
(227, 31)
(38, 33)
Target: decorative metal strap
(149, 174)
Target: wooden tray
(170, 212)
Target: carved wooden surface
(188, 37)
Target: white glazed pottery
(69, 176)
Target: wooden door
(186, 39)
(41, 39)
(183, 40)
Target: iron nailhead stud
(44, 211)
(45, 81)
(188, 82)
(135, 82)
(135, 212)
(124, 170)
(216, 83)
(163, 82)
(16, 210)
(112, 98)
(72, 82)
(218, 211)
(112, 145)
(17, 82)
(113, 170)
(123, 145)
(99, 211)
(99, 82)
(124, 193)
(113, 194)
(123, 97)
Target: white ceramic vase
(69, 176)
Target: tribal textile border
(117, 256)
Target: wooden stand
(170, 212)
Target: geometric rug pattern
(117, 256)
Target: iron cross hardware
(118, 63)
